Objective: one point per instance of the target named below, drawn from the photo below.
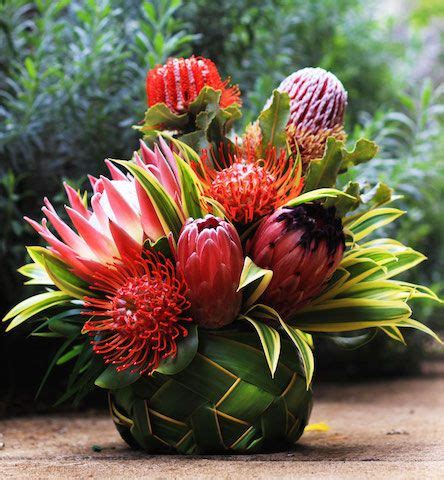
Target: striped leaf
(34, 305)
(394, 333)
(270, 341)
(319, 194)
(253, 281)
(372, 220)
(191, 189)
(348, 314)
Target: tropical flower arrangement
(193, 281)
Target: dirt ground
(391, 429)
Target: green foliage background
(72, 82)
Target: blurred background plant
(72, 82)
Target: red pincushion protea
(139, 319)
(209, 253)
(303, 246)
(249, 185)
(180, 80)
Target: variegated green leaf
(191, 188)
(34, 305)
(371, 221)
(394, 333)
(319, 194)
(270, 341)
(347, 314)
(253, 281)
(411, 323)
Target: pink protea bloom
(121, 218)
(303, 246)
(317, 99)
(209, 253)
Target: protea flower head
(250, 184)
(303, 246)
(180, 80)
(317, 107)
(121, 217)
(209, 253)
(140, 314)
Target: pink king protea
(209, 253)
(122, 216)
(303, 246)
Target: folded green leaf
(270, 341)
(363, 151)
(160, 116)
(253, 281)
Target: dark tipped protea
(209, 254)
(317, 107)
(303, 246)
(180, 80)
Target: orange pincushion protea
(139, 319)
(180, 80)
(249, 185)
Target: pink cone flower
(303, 246)
(317, 99)
(122, 216)
(209, 253)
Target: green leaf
(111, 379)
(68, 323)
(207, 101)
(318, 194)
(348, 314)
(66, 281)
(167, 210)
(394, 333)
(160, 116)
(253, 281)
(163, 246)
(74, 352)
(192, 191)
(373, 220)
(363, 151)
(273, 121)
(299, 339)
(345, 203)
(36, 273)
(33, 305)
(186, 351)
(410, 323)
(323, 172)
(270, 340)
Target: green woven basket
(225, 401)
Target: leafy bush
(260, 42)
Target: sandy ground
(391, 429)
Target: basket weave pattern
(225, 401)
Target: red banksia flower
(180, 80)
(303, 246)
(249, 185)
(139, 319)
(209, 253)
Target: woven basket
(225, 401)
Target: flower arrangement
(193, 282)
